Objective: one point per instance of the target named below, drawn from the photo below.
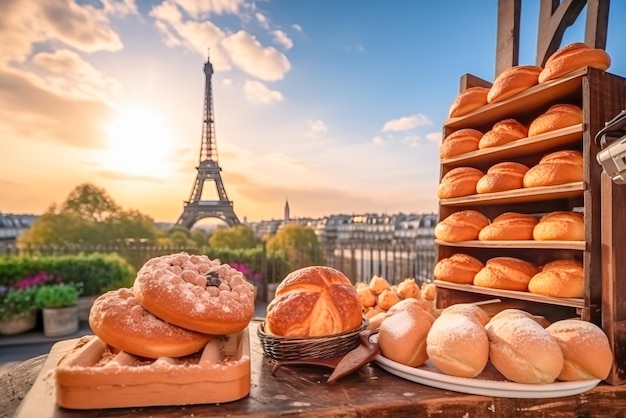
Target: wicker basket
(289, 348)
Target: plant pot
(19, 323)
(60, 321)
(84, 307)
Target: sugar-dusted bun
(512, 81)
(461, 226)
(556, 117)
(407, 288)
(458, 268)
(468, 309)
(502, 177)
(403, 332)
(507, 273)
(560, 226)
(378, 284)
(460, 181)
(314, 301)
(509, 226)
(572, 57)
(468, 100)
(522, 350)
(503, 132)
(560, 167)
(586, 350)
(459, 142)
(559, 278)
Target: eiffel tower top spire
(208, 147)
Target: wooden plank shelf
(533, 194)
(532, 244)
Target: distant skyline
(337, 106)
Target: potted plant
(58, 306)
(18, 312)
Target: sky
(335, 106)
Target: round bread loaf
(314, 301)
(458, 268)
(585, 347)
(560, 226)
(503, 132)
(507, 273)
(469, 310)
(560, 167)
(459, 142)
(509, 226)
(408, 288)
(461, 226)
(522, 350)
(502, 177)
(556, 117)
(559, 278)
(513, 80)
(572, 57)
(468, 100)
(460, 181)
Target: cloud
(317, 127)
(411, 140)
(281, 38)
(434, 137)
(257, 92)
(406, 123)
(247, 53)
(297, 27)
(198, 9)
(262, 20)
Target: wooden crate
(601, 95)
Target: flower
(35, 279)
(251, 275)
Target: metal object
(612, 140)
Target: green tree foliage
(298, 243)
(238, 236)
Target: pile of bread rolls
(523, 348)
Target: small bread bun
(367, 297)
(387, 299)
(372, 311)
(428, 291)
(375, 320)
(409, 289)
(509, 226)
(461, 226)
(502, 177)
(458, 268)
(459, 142)
(468, 100)
(378, 284)
(507, 273)
(468, 309)
(572, 57)
(559, 278)
(460, 181)
(560, 167)
(560, 226)
(586, 350)
(512, 81)
(556, 117)
(522, 350)
(503, 132)
(403, 332)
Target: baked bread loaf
(559, 278)
(509, 226)
(458, 268)
(459, 142)
(468, 309)
(460, 181)
(314, 301)
(556, 117)
(408, 288)
(507, 273)
(468, 100)
(366, 296)
(560, 226)
(503, 132)
(560, 167)
(585, 347)
(512, 81)
(461, 226)
(522, 350)
(378, 284)
(572, 57)
(502, 177)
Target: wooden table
(302, 391)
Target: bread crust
(503, 132)
(560, 226)
(559, 278)
(502, 177)
(458, 268)
(507, 273)
(513, 80)
(556, 117)
(572, 57)
(468, 100)
(509, 226)
(460, 142)
(560, 167)
(461, 226)
(460, 181)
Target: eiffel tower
(208, 170)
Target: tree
(299, 244)
(234, 237)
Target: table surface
(303, 391)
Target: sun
(140, 142)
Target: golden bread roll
(460, 181)
(512, 81)
(509, 226)
(502, 177)
(468, 100)
(572, 57)
(458, 268)
(459, 142)
(559, 278)
(314, 301)
(503, 132)
(586, 350)
(372, 311)
(428, 291)
(556, 117)
(560, 226)
(387, 299)
(378, 284)
(366, 296)
(461, 226)
(468, 309)
(403, 332)
(522, 350)
(507, 273)
(560, 167)
(375, 320)
(409, 289)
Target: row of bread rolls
(462, 340)
(555, 168)
(467, 225)
(464, 140)
(517, 79)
